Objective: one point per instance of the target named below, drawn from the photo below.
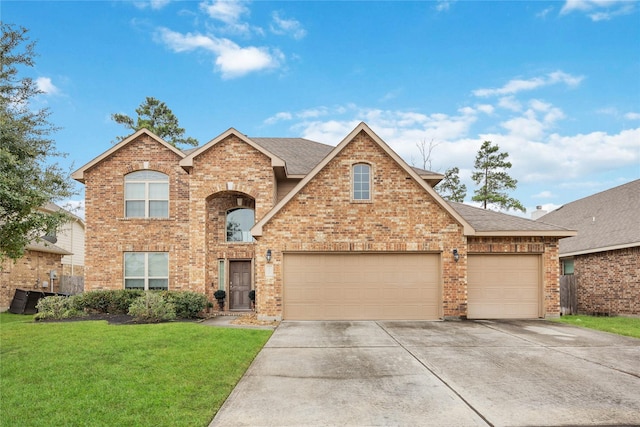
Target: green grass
(629, 326)
(90, 373)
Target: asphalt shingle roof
(301, 155)
(607, 219)
(488, 220)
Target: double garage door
(347, 286)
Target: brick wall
(28, 273)
(609, 282)
(109, 234)
(546, 246)
(401, 217)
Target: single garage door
(361, 286)
(503, 286)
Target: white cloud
(443, 5)
(543, 14)
(546, 194)
(152, 4)
(227, 11)
(231, 59)
(599, 10)
(510, 103)
(518, 85)
(283, 26)
(45, 85)
(632, 116)
(278, 117)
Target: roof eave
(78, 175)
(187, 161)
(602, 249)
(527, 233)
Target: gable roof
(257, 228)
(489, 223)
(605, 221)
(79, 174)
(187, 161)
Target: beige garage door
(503, 286)
(361, 286)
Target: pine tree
(490, 174)
(450, 188)
(156, 116)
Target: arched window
(146, 195)
(239, 223)
(361, 181)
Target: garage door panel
(361, 286)
(503, 286)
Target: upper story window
(146, 195)
(361, 181)
(239, 223)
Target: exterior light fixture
(268, 255)
(456, 255)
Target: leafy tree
(155, 116)
(450, 188)
(28, 177)
(490, 173)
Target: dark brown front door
(239, 284)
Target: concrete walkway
(514, 373)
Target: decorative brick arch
(233, 187)
(152, 166)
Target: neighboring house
(32, 271)
(605, 255)
(70, 237)
(62, 252)
(320, 232)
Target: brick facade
(609, 282)
(28, 272)
(321, 217)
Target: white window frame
(147, 182)
(146, 276)
(356, 178)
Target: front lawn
(90, 373)
(629, 326)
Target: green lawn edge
(627, 326)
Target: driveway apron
(514, 373)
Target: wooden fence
(71, 285)
(568, 295)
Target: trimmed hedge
(188, 304)
(185, 304)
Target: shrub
(151, 307)
(122, 299)
(187, 304)
(112, 301)
(57, 307)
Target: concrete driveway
(499, 373)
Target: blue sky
(555, 84)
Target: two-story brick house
(320, 232)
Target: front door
(239, 284)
